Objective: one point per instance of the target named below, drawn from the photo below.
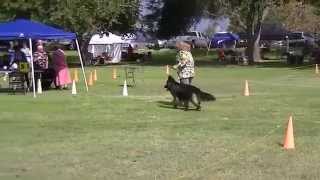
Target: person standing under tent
(25, 49)
(11, 53)
(62, 75)
(39, 42)
(40, 58)
(40, 63)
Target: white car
(161, 43)
(195, 38)
(171, 43)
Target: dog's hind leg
(186, 105)
(195, 100)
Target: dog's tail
(206, 96)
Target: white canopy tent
(111, 44)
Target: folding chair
(17, 82)
(129, 75)
(17, 79)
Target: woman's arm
(182, 60)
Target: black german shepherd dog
(185, 93)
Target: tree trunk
(84, 43)
(253, 51)
(255, 27)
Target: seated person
(130, 50)
(221, 55)
(131, 55)
(20, 57)
(105, 58)
(148, 57)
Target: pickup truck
(194, 38)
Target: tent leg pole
(81, 61)
(32, 70)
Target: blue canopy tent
(219, 39)
(31, 30)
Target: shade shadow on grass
(169, 105)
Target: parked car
(301, 37)
(194, 38)
(65, 43)
(277, 44)
(156, 43)
(170, 43)
(160, 43)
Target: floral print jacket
(185, 64)
(41, 60)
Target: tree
(153, 14)
(298, 16)
(85, 17)
(95, 16)
(248, 16)
(172, 17)
(178, 15)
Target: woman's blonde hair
(180, 45)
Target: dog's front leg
(175, 104)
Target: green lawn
(102, 135)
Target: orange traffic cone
(289, 139)
(95, 77)
(114, 73)
(317, 69)
(75, 75)
(167, 70)
(90, 83)
(246, 89)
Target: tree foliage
(316, 4)
(177, 16)
(84, 17)
(173, 16)
(246, 16)
(81, 16)
(298, 16)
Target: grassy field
(102, 135)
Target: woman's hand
(175, 66)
